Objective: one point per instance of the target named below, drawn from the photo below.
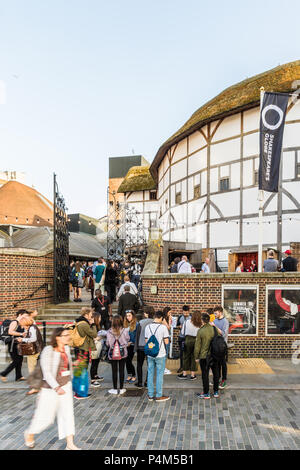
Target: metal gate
(61, 247)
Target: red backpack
(117, 352)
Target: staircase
(55, 316)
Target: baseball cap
(288, 252)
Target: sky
(82, 81)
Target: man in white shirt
(133, 289)
(205, 267)
(184, 266)
(157, 363)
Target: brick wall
(21, 273)
(202, 291)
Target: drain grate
(134, 393)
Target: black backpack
(4, 336)
(218, 347)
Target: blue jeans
(157, 363)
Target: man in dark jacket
(289, 263)
(102, 307)
(174, 268)
(127, 301)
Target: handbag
(27, 349)
(35, 379)
(96, 354)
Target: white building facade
(207, 176)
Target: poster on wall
(283, 310)
(240, 308)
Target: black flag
(272, 119)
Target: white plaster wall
(229, 127)
(225, 151)
(235, 176)
(294, 112)
(228, 203)
(224, 234)
(288, 165)
(181, 151)
(198, 161)
(291, 135)
(250, 202)
(178, 171)
(251, 145)
(203, 183)
(290, 231)
(248, 178)
(214, 182)
(251, 120)
(196, 142)
(272, 206)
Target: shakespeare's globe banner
(272, 119)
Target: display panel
(283, 310)
(240, 309)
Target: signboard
(240, 308)
(283, 310)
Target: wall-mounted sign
(283, 310)
(240, 308)
(153, 290)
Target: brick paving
(242, 420)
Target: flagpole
(261, 205)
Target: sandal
(4, 379)
(20, 379)
(32, 392)
(29, 444)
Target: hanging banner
(272, 119)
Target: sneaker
(162, 399)
(99, 379)
(150, 398)
(77, 397)
(216, 395)
(167, 372)
(95, 384)
(193, 377)
(113, 391)
(138, 385)
(180, 370)
(222, 384)
(123, 390)
(205, 396)
(182, 377)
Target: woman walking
(131, 324)
(78, 281)
(33, 336)
(117, 341)
(55, 399)
(15, 331)
(110, 283)
(189, 332)
(90, 281)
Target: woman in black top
(15, 330)
(110, 282)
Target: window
(153, 195)
(178, 198)
(256, 178)
(224, 184)
(197, 192)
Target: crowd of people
(289, 264)
(117, 339)
(103, 275)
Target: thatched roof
(241, 96)
(138, 178)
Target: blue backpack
(152, 346)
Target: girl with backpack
(117, 340)
(15, 330)
(131, 324)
